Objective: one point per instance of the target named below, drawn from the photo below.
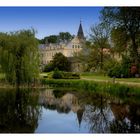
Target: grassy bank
(102, 77)
(96, 76)
(94, 87)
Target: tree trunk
(101, 61)
(134, 52)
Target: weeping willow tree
(19, 56)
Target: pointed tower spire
(80, 33)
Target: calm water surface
(67, 111)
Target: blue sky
(48, 20)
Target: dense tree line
(124, 23)
(61, 37)
(116, 34)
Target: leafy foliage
(60, 62)
(115, 71)
(49, 67)
(52, 39)
(90, 58)
(62, 37)
(125, 27)
(95, 87)
(56, 74)
(99, 36)
(92, 55)
(109, 64)
(65, 36)
(121, 70)
(19, 57)
(120, 39)
(70, 75)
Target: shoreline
(125, 83)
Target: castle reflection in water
(63, 103)
(67, 111)
(102, 114)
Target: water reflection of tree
(97, 114)
(111, 114)
(18, 111)
(127, 118)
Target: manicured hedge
(63, 75)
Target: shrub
(70, 75)
(120, 70)
(57, 74)
(109, 64)
(126, 65)
(49, 67)
(115, 71)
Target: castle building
(68, 48)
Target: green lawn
(102, 77)
(92, 76)
(95, 76)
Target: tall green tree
(19, 56)
(61, 62)
(125, 21)
(120, 40)
(99, 37)
(90, 57)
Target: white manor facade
(68, 49)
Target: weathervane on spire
(80, 20)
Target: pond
(67, 111)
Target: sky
(48, 20)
